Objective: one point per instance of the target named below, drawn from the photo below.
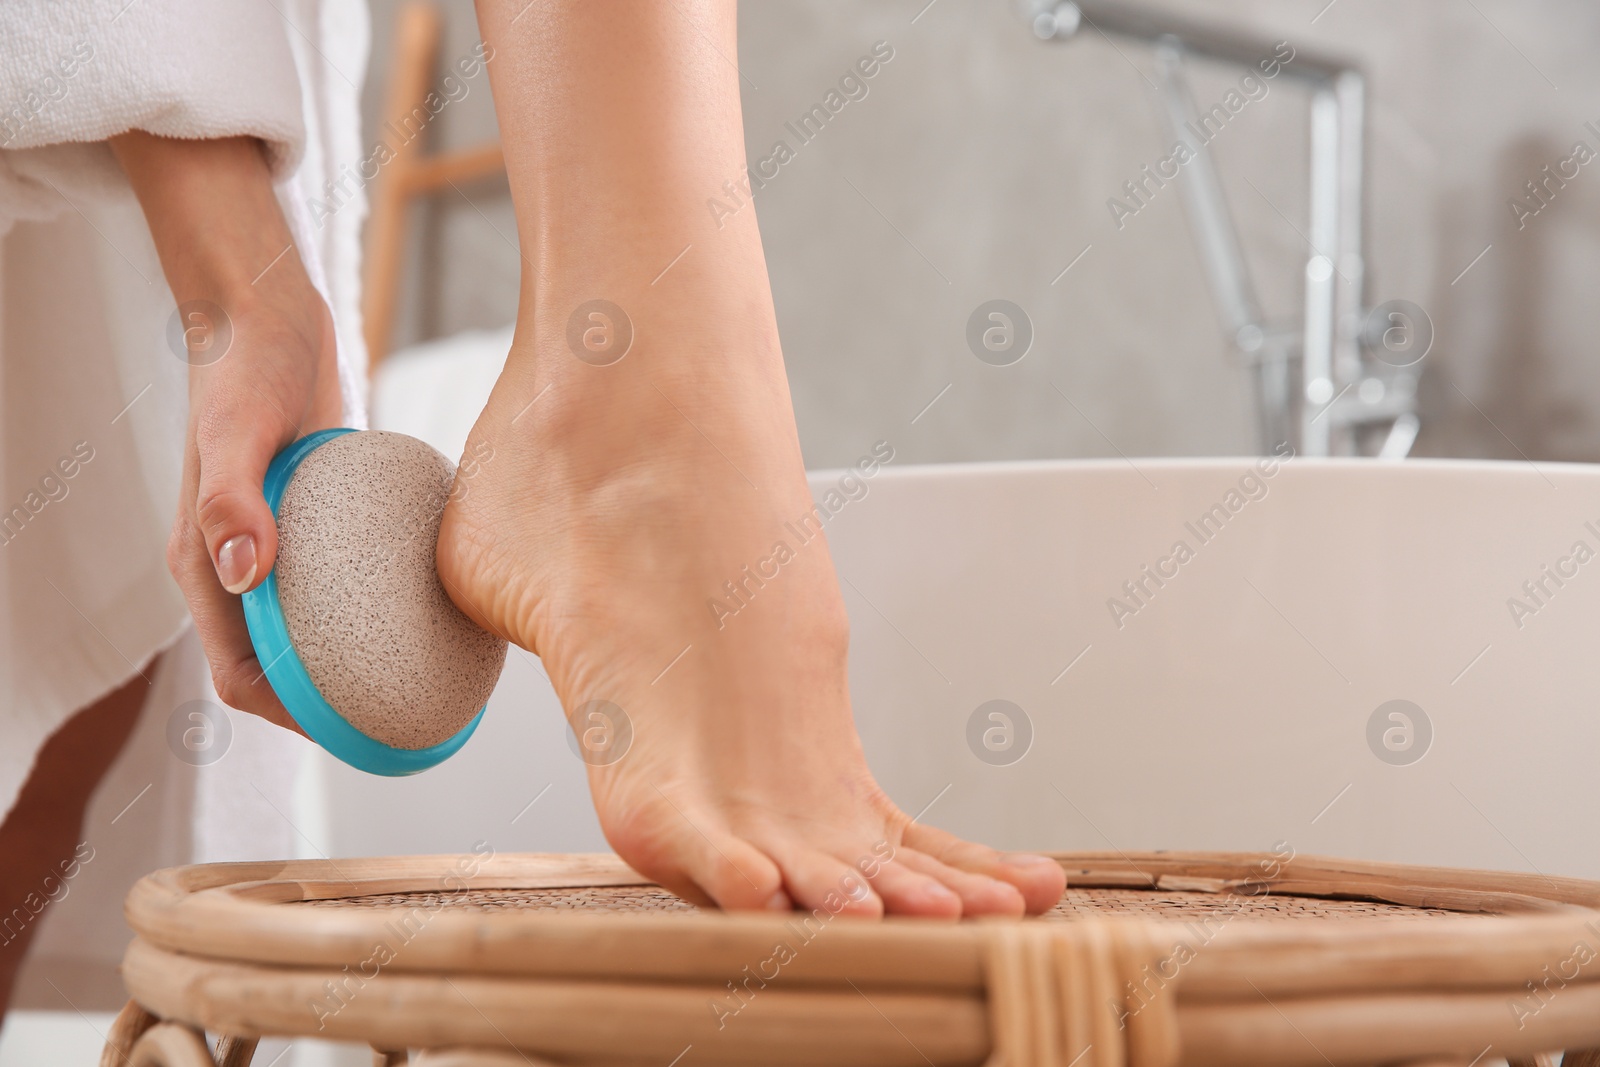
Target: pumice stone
(353, 627)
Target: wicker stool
(1149, 960)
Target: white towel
(88, 381)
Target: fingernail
(779, 901)
(1026, 859)
(236, 563)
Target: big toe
(693, 855)
(819, 881)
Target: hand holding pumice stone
(352, 626)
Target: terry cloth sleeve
(74, 74)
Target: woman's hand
(263, 372)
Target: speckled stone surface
(364, 607)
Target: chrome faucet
(1337, 380)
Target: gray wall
(982, 160)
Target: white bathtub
(1227, 707)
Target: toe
(1039, 879)
(739, 877)
(818, 881)
(690, 853)
(979, 894)
(907, 889)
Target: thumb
(235, 447)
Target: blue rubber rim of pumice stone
(269, 633)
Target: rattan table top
(1075, 903)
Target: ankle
(714, 402)
(710, 303)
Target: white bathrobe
(90, 385)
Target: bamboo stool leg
(1581, 1058)
(381, 1058)
(171, 1045)
(129, 1025)
(236, 1051)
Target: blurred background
(980, 164)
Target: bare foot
(593, 528)
(612, 489)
